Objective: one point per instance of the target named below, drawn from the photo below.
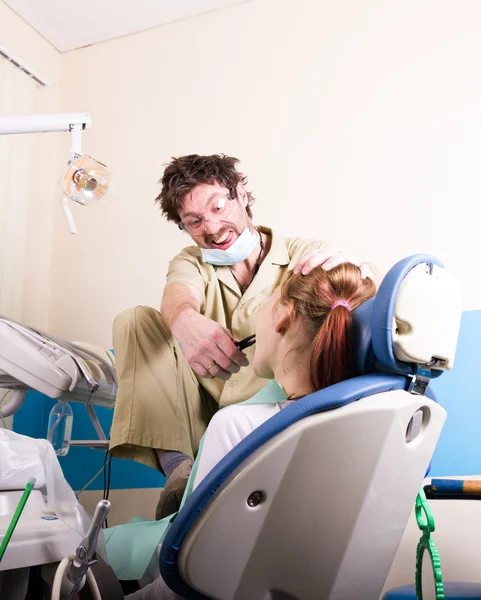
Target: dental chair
(313, 504)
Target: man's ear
(283, 317)
(241, 194)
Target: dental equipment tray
(29, 359)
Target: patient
(303, 342)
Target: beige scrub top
(223, 302)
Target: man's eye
(220, 205)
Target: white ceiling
(70, 24)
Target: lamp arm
(43, 123)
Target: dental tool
(250, 340)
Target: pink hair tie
(341, 303)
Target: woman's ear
(283, 317)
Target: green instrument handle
(16, 516)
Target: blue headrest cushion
(363, 353)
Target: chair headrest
(413, 320)
(363, 352)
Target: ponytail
(323, 300)
(331, 351)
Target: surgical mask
(236, 253)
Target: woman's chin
(262, 371)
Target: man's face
(220, 218)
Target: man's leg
(160, 404)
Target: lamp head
(86, 180)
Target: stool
(453, 590)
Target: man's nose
(211, 227)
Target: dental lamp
(86, 180)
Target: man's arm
(207, 346)
(178, 298)
(330, 257)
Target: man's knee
(137, 317)
(124, 320)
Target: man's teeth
(222, 239)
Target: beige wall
(22, 40)
(35, 268)
(355, 121)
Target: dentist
(177, 367)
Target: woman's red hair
(312, 297)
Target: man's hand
(207, 346)
(329, 258)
